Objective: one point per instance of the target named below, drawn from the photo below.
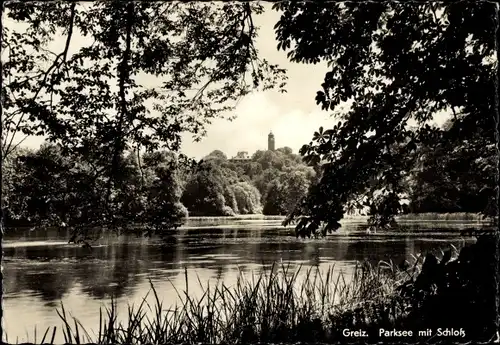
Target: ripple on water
(170, 270)
(219, 256)
(23, 244)
(197, 262)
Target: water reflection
(41, 269)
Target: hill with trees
(271, 182)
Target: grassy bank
(444, 217)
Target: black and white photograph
(249, 172)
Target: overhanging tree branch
(58, 63)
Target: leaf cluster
(397, 65)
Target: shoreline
(410, 217)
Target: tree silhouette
(129, 76)
(399, 64)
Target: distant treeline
(49, 187)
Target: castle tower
(270, 141)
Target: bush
(458, 293)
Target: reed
(270, 307)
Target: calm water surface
(41, 270)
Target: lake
(41, 269)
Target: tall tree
(397, 63)
(204, 192)
(287, 189)
(195, 60)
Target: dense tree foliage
(154, 190)
(454, 178)
(129, 76)
(398, 64)
(226, 187)
(163, 189)
(204, 192)
(199, 54)
(287, 189)
(47, 188)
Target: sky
(292, 117)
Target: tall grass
(273, 306)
